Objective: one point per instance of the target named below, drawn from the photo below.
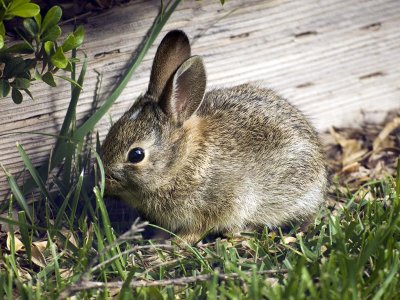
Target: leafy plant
(39, 53)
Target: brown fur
(242, 156)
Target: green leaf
(28, 92)
(38, 20)
(69, 43)
(15, 3)
(29, 64)
(37, 75)
(79, 34)
(49, 79)
(31, 27)
(16, 96)
(2, 29)
(49, 47)
(52, 18)
(14, 67)
(26, 10)
(4, 88)
(1, 41)
(69, 66)
(58, 59)
(20, 48)
(22, 83)
(52, 34)
(74, 40)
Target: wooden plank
(337, 60)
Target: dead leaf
(23, 273)
(364, 194)
(37, 257)
(289, 239)
(271, 281)
(350, 157)
(352, 149)
(68, 235)
(383, 135)
(41, 246)
(65, 273)
(18, 245)
(246, 244)
(353, 167)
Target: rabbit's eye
(136, 155)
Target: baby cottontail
(224, 160)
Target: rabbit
(221, 161)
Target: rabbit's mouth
(111, 177)
(112, 184)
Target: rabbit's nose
(113, 173)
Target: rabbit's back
(264, 152)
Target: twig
(88, 285)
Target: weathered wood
(337, 60)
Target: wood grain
(337, 60)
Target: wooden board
(337, 60)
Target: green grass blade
(102, 173)
(389, 278)
(12, 240)
(187, 245)
(59, 151)
(108, 232)
(26, 240)
(52, 247)
(32, 170)
(73, 82)
(12, 183)
(75, 199)
(61, 210)
(398, 183)
(156, 28)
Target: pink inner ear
(180, 106)
(187, 89)
(181, 97)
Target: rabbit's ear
(173, 50)
(185, 90)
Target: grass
(64, 244)
(351, 252)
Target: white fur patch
(248, 202)
(135, 114)
(246, 207)
(310, 201)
